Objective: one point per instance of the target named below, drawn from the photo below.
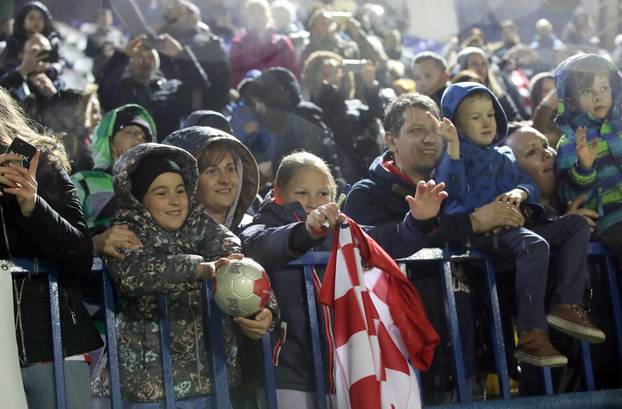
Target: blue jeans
(202, 402)
(41, 391)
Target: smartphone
(22, 148)
(355, 66)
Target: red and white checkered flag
(379, 323)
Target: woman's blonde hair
(291, 164)
(13, 122)
(313, 71)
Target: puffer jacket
(167, 263)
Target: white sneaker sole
(594, 336)
(552, 362)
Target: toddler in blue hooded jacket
(476, 171)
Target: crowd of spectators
(187, 135)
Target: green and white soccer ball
(242, 288)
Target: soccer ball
(242, 288)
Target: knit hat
(131, 117)
(148, 170)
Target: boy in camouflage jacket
(174, 262)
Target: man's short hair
(439, 61)
(394, 113)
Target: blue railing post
(33, 266)
(212, 322)
(588, 373)
(57, 341)
(318, 366)
(451, 314)
(496, 330)
(270, 384)
(111, 336)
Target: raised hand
(447, 130)
(427, 201)
(133, 46)
(586, 152)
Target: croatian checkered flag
(379, 323)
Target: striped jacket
(603, 182)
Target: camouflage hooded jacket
(167, 263)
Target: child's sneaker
(534, 348)
(571, 319)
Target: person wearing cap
(181, 247)
(118, 131)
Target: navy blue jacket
(379, 201)
(482, 173)
(273, 239)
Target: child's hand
(448, 132)
(495, 215)
(590, 215)
(586, 152)
(513, 197)
(316, 219)
(427, 200)
(207, 269)
(257, 327)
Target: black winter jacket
(55, 231)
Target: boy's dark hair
(582, 75)
(394, 114)
(439, 61)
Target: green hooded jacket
(95, 186)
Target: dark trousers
(569, 237)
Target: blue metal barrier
(213, 322)
(34, 266)
(445, 258)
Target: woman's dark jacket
(56, 232)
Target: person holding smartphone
(41, 217)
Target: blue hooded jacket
(483, 172)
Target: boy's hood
(199, 139)
(129, 161)
(456, 93)
(564, 116)
(102, 134)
